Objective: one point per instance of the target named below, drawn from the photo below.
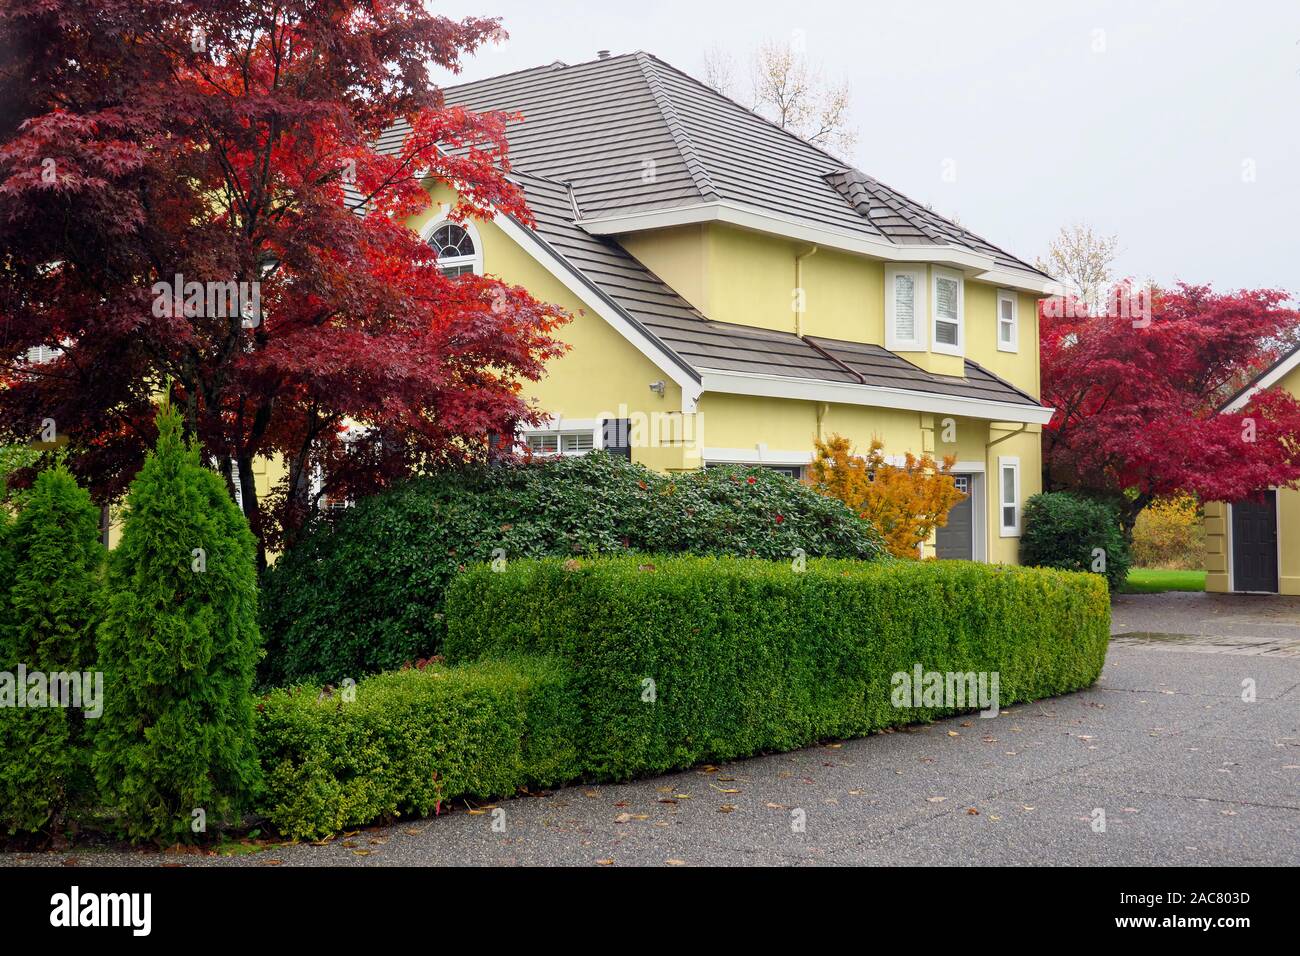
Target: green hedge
(748, 656)
(408, 740)
(363, 591)
(1063, 530)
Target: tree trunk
(1129, 509)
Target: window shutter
(616, 436)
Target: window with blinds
(905, 309)
(947, 312)
(560, 443)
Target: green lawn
(1153, 581)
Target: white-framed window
(1008, 322)
(948, 334)
(1009, 496)
(43, 354)
(239, 483)
(458, 247)
(905, 311)
(560, 442)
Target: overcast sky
(1173, 125)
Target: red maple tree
(1137, 398)
(232, 141)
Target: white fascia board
(1020, 281)
(569, 277)
(1279, 372)
(875, 396)
(976, 265)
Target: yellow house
(738, 293)
(1254, 546)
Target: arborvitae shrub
(179, 649)
(51, 602)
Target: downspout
(799, 290)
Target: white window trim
(960, 348)
(1014, 345)
(1005, 530)
(561, 427)
(475, 262)
(892, 340)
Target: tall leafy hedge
(678, 660)
(365, 591)
(51, 600)
(1066, 531)
(178, 648)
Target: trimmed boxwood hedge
(412, 739)
(748, 656)
(617, 667)
(363, 591)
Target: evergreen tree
(52, 562)
(179, 648)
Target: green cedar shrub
(1061, 530)
(179, 650)
(364, 591)
(409, 741)
(748, 656)
(52, 563)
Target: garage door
(956, 539)
(1254, 544)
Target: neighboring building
(738, 293)
(1255, 545)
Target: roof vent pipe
(602, 54)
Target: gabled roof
(1265, 379)
(630, 134)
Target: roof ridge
(956, 225)
(754, 113)
(900, 204)
(681, 139)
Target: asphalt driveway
(1165, 748)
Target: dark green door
(956, 539)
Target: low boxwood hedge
(676, 660)
(363, 590)
(404, 742)
(615, 667)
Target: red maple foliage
(233, 140)
(1137, 398)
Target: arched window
(458, 253)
